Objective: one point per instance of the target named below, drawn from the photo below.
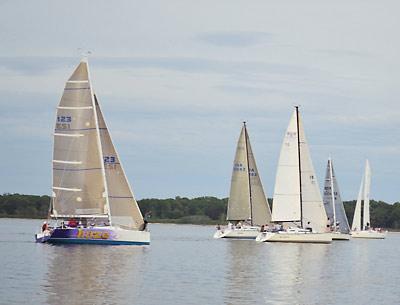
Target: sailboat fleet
(299, 213)
(92, 201)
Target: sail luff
(247, 142)
(332, 193)
(367, 186)
(356, 224)
(299, 157)
(103, 172)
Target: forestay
(78, 184)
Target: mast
(332, 193)
(103, 171)
(298, 154)
(248, 172)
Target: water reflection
(91, 274)
(274, 273)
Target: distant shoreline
(181, 210)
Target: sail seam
(75, 169)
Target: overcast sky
(176, 79)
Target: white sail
(367, 187)
(334, 205)
(260, 210)
(356, 224)
(239, 197)
(78, 181)
(294, 202)
(286, 204)
(124, 210)
(313, 207)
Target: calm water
(184, 265)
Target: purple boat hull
(92, 235)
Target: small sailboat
(92, 201)
(337, 219)
(248, 209)
(297, 207)
(363, 229)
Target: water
(184, 265)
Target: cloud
(41, 65)
(238, 39)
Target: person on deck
(308, 227)
(72, 223)
(45, 226)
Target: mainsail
(286, 205)
(247, 200)
(334, 205)
(78, 183)
(88, 178)
(297, 197)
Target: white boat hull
(243, 233)
(368, 234)
(297, 237)
(340, 236)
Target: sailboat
(297, 209)
(337, 219)
(92, 201)
(363, 229)
(248, 209)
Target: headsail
(313, 207)
(356, 224)
(337, 211)
(367, 187)
(239, 197)
(124, 210)
(78, 182)
(260, 210)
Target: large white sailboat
(297, 204)
(248, 208)
(337, 219)
(364, 229)
(92, 201)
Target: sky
(176, 79)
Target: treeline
(201, 210)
